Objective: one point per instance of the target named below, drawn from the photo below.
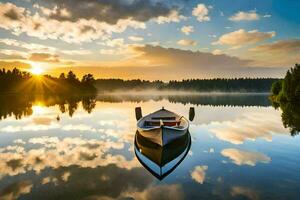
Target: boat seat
(163, 118)
(166, 123)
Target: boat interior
(163, 118)
(165, 121)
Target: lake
(84, 148)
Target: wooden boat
(161, 161)
(162, 126)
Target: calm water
(83, 148)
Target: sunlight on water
(84, 148)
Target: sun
(36, 70)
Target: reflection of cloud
(198, 174)
(52, 152)
(42, 121)
(244, 191)
(29, 127)
(102, 182)
(240, 157)
(79, 127)
(249, 126)
(162, 192)
(15, 190)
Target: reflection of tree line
(286, 95)
(212, 100)
(21, 105)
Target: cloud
(217, 52)
(198, 174)
(118, 42)
(38, 48)
(81, 30)
(76, 52)
(12, 54)
(10, 12)
(186, 42)
(201, 12)
(136, 38)
(242, 37)
(105, 11)
(267, 16)
(187, 29)
(44, 57)
(27, 46)
(149, 62)
(245, 16)
(240, 157)
(244, 191)
(186, 59)
(281, 46)
(276, 54)
(13, 64)
(174, 16)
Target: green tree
(88, 79)
(71, 76)
(276, 87)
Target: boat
(163, 126)
(161, 161)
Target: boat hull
(161, 161)
(162, 135)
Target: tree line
(197, 85)
(288, 89)
(286, 96)
(17, 81)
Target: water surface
(83, 148)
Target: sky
(151, 39)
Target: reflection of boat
(162, 126)
(158, 160)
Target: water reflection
(221, 99)
(290, 116)
(25, 105)
(236, 153)
(160, 161)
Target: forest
(194, 85)
(17, 81)
(286, 96)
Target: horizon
(174, 40)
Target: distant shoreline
(177, 93)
